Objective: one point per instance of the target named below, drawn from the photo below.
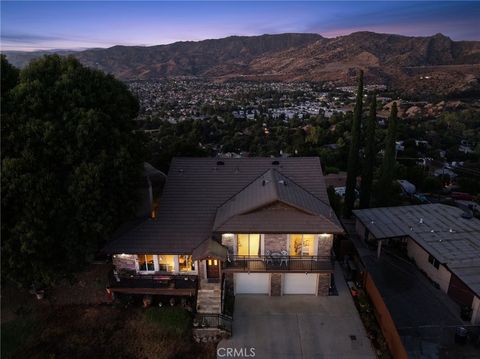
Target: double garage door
(259, 283)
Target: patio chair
(268, 257)
(284, 258)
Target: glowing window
(146, 263)
(248, 244)
(302, 244)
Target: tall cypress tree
(370, 155)
(352, 164)
(387, 171)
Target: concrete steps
(209, 298)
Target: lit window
(185, 263)
(146, 263)
(248, 244)
(302, 244)
(166, 262)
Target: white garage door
(253, 283)
(300, 283)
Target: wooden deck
(181, 285)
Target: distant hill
(423, 64)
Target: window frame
(147, 271)
(260, 246)
(314, 244)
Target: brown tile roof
(197, 187)
(303, 210)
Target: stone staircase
(209, 298)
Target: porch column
(379, 248)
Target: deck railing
(213, 320)
(278, 263)
(121, 280)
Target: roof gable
(269, 188)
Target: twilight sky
(81, 24)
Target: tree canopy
(352, 169)
(71, 162)
(387, 170)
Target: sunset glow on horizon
(76, 25)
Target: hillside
(422, 64)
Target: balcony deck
(278, 264)
(161, 284)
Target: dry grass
(83, 331)
(72, 322)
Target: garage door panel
(252, 283)
(300, 283)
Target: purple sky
(73, 25)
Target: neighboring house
(257, 225)
(444, 242)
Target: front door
(213, 271)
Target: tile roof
(440, 229)
(301, 209)
(197, 187)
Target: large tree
(387, 170)
(71, 162)
(370, 155)
(352, 164)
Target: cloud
(29, 38)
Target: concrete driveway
(298, 326)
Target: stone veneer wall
(202, 270)
(323, 284)
(325, 245)
(276, 242)
(276, 284)
(126, 262)
(229, 242)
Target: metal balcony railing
(287, 263)
(213, 320)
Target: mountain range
(434, 64)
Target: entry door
(213, 271)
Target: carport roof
(439, 229)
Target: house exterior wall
(323, 284)
(360, 229)
(276, 284)
(128, 262)
(276, 242)
(325, 242)
(441, 275)
(476, 311)
(124, 262)
(228, 240)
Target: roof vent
(282, 182)
(264, 182)
(220, 163)
(420, 221)
(275, 163)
